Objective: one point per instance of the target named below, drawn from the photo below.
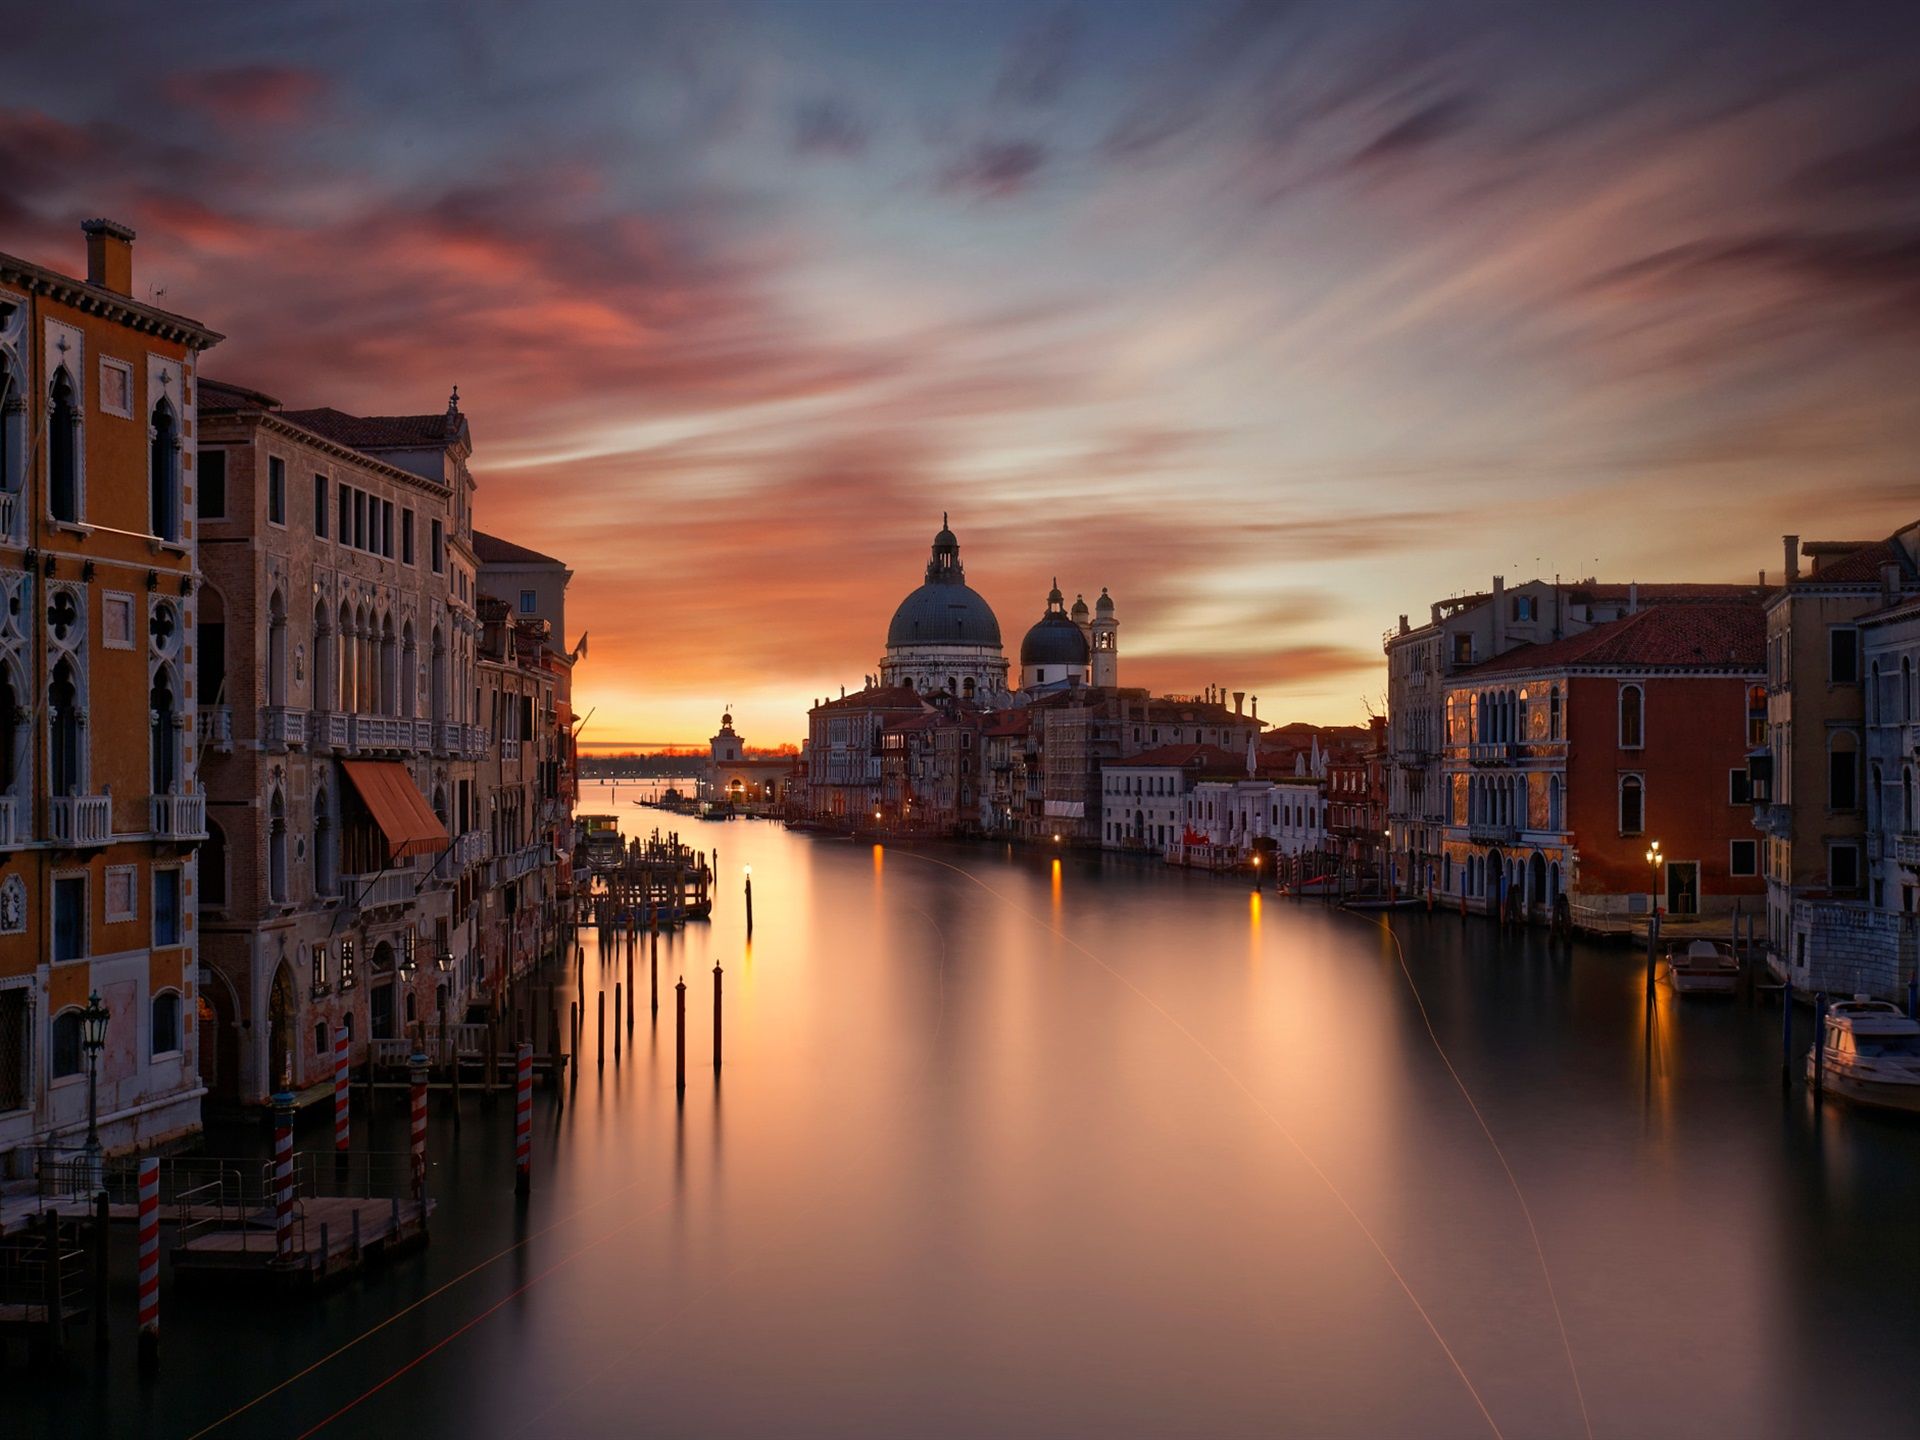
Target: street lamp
(1654, 858)
(93, 1039)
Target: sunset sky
(1277, 319)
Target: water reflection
(1148, 1162)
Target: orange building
(1566, 760)
(100, 802)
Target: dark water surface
(1102, 1150)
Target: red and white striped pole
(283, 1175)
(419, 1127)
(149, 1261)
(340, 1122)
(523, 1123)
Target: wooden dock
(333, 1235)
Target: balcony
(178, 817)
(385, 887)
(370, 732)
(471, 848)
(510, 750)
(79, 820)
(11, 836)
(521, 862)
(1905, 850)
(474, 742)
(283, 728)
(330, 730)
(1492, 752)
(216, 728)
(446, 737)
(1488, 834)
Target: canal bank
(1057, 1145)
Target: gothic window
(63, 729)
(277, 849)
(163, 719)
(163, 473)
(63, 450)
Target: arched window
(1553, 802)
(409, 672)
(389, 699)
(1906, 800)
(1632, 717)
(63, 449)
(165, 1027)
(277, 849)
(1553, 713)
(324, 678)
(10, 728)
(1633, 805)
(65, 1049)
(13, 432)
(211, 879)
(163, 473)
(276, 686)
(326, 847)
(63, 729)
(163, 734)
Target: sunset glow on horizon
(1276, 320)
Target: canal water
(1016, 1146)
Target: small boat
(1870, 1054)
(1705, 967)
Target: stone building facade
(100, 798)
(337, 639)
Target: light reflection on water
(1005, 1143)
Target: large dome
(944, 613)
(1054, 640)
(945, 610)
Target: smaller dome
(1055, 640)
(1105, 603)
(1079, 607)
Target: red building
(1566, 761)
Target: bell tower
(1106, 642)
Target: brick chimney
(1239, 699)
(109, 255)
(1792, 546)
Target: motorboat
(1703, 967)
(1869, 1052)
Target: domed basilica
(944, 637)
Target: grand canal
(1010, 1146)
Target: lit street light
(1654, 859)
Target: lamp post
(93, 1039)
(1654, 859)
(749, 883)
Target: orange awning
(400, 811)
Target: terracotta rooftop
(1853, 564)
(376, 432)
(878, 697)
(492, 550)
(1665, 637)
(218, 395)
(1665, 594)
